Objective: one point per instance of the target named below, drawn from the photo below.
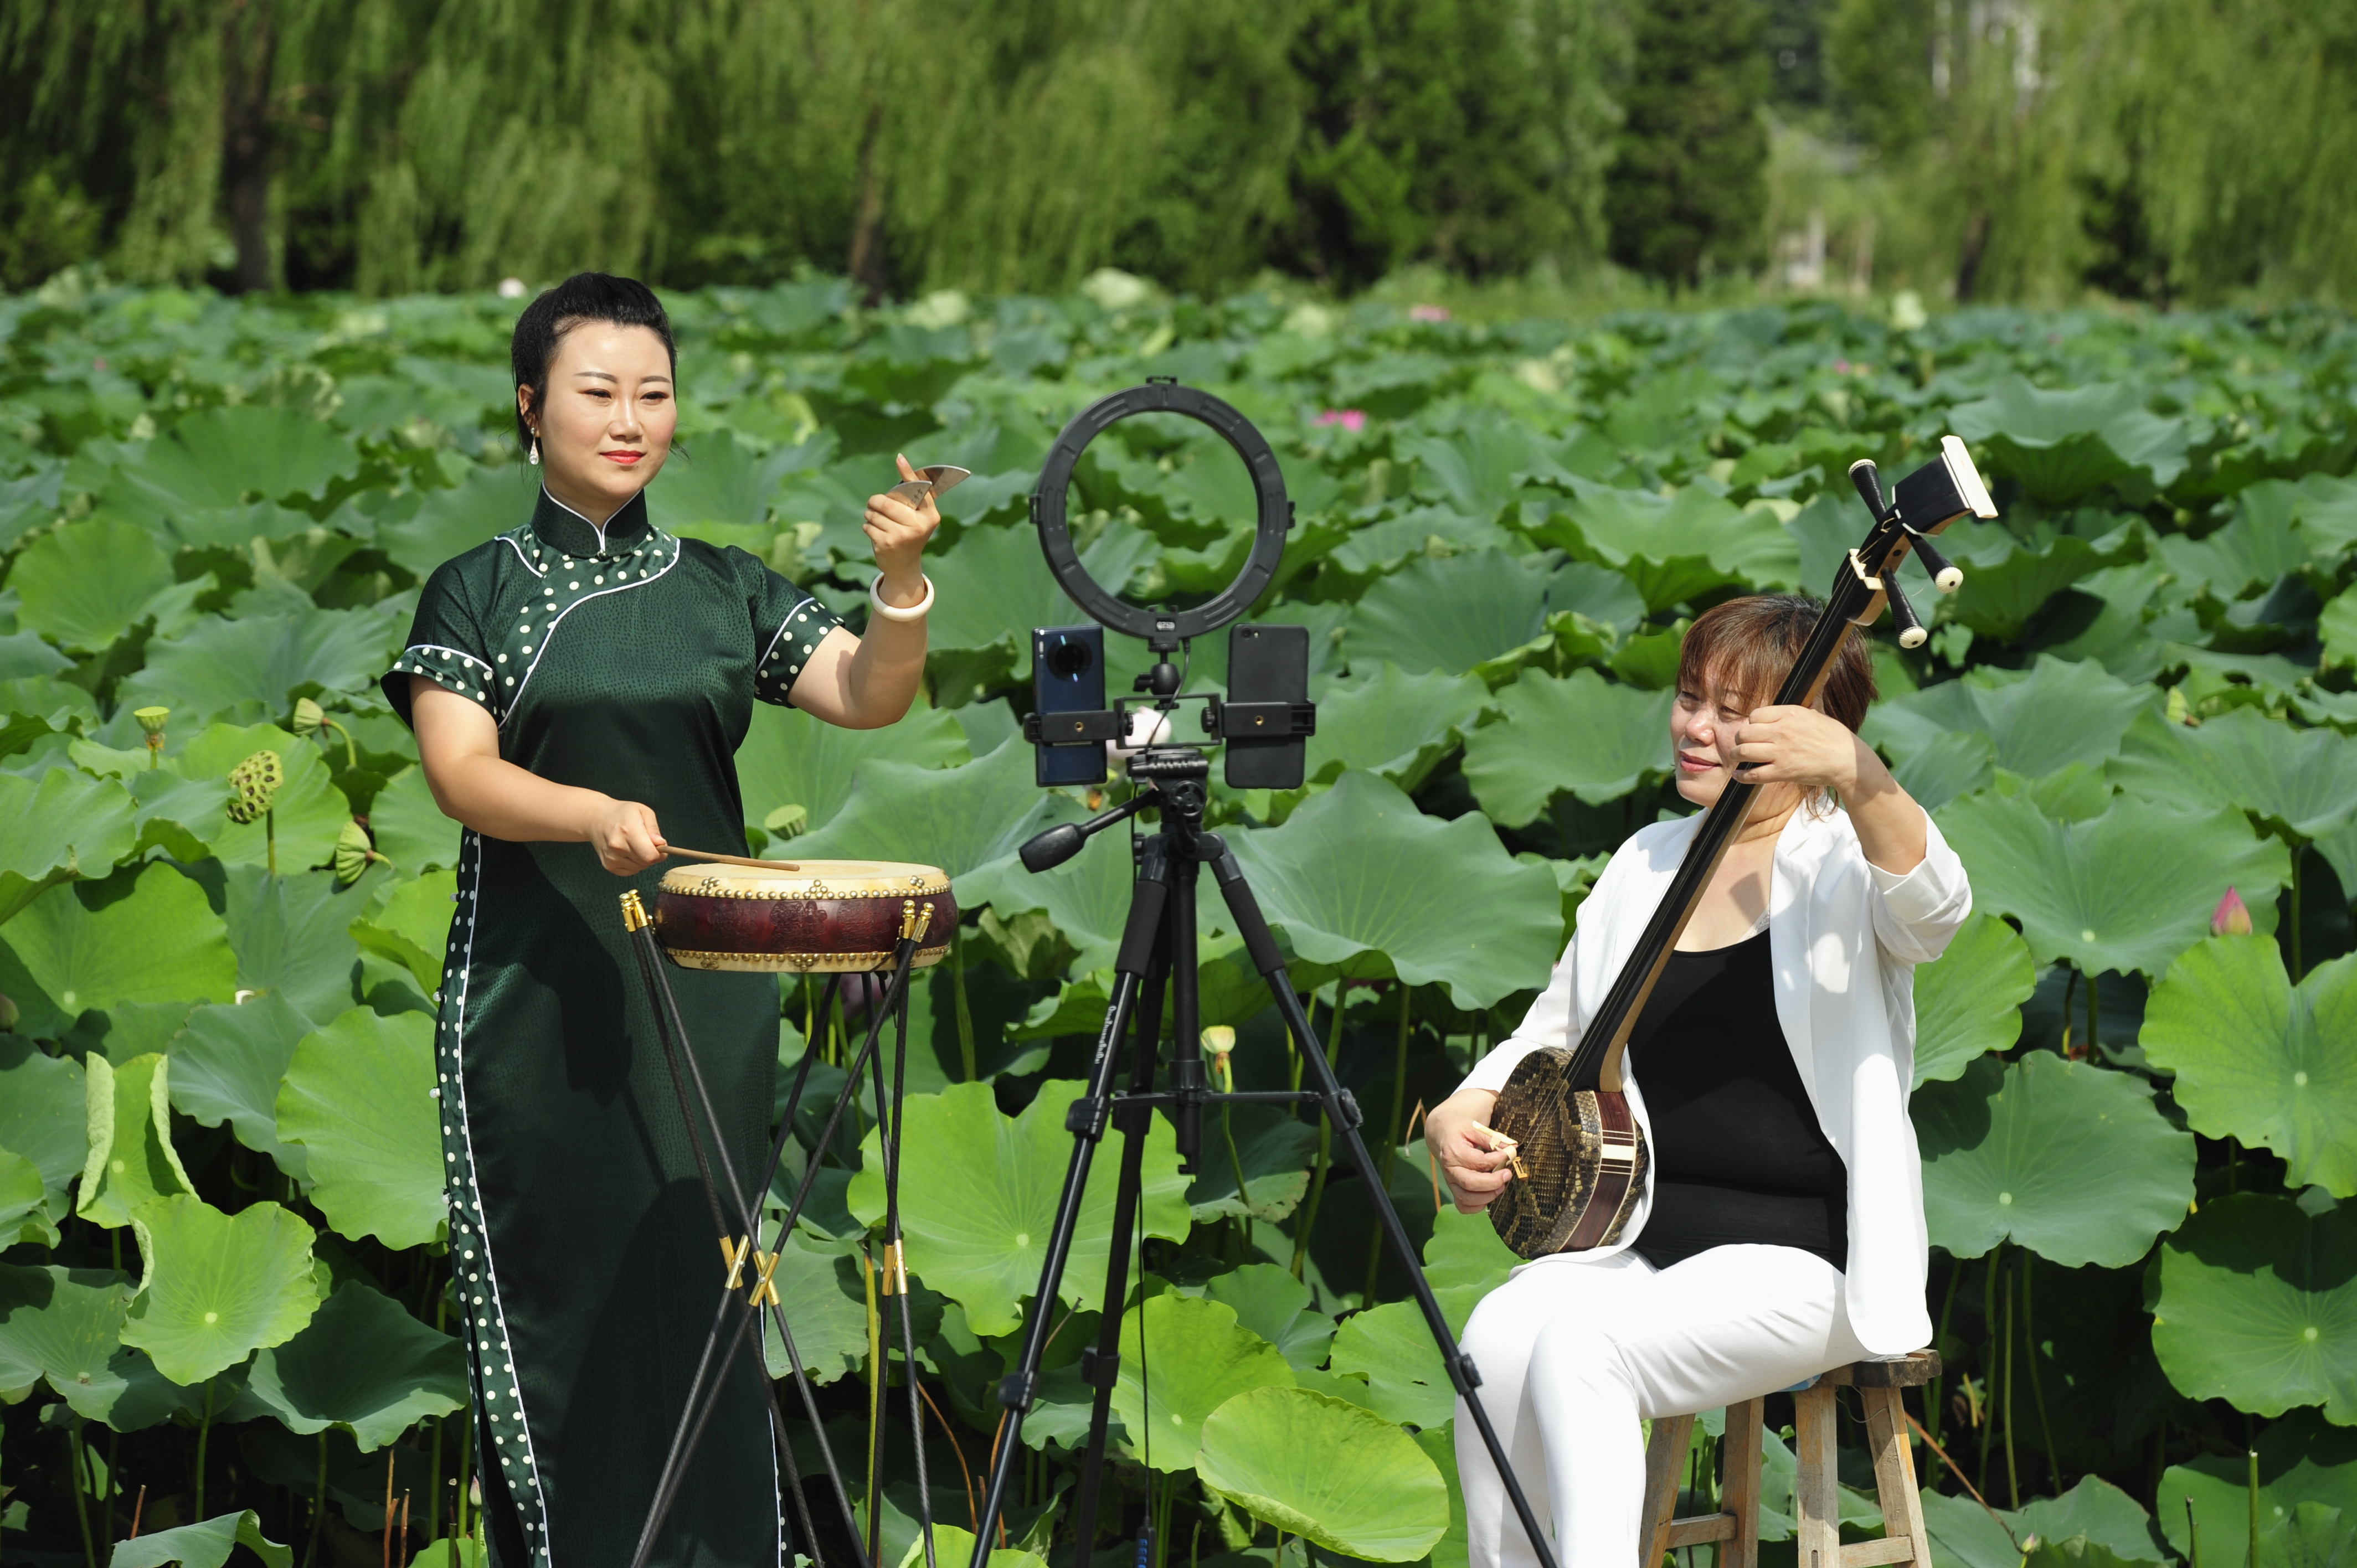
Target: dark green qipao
(624, 660)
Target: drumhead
(809, 880)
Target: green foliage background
(227, 1277)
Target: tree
(1685, 194)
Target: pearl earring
(535, 451)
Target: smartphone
(1268, 664)
(1067, 676)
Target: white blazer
(1845, 936)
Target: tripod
(1158, 951)
(751, 1269)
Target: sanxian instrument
(1579, 1151)
(805, 917)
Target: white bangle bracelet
(894, 612)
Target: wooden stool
(1816, 1501)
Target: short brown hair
(1751, 644)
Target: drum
(811, 916)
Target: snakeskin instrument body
(1584, 1155)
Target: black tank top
(1737, 1153)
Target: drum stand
(751, 1269)
(1157, 947)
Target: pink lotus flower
(1841, 367)
(1350, 419)
(1428, 313)
(2233, 918)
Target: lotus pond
(223, 1297)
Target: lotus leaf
(247, 670)
(56, 828)
(290, 938)
(1181, 1359)
(1314, 1467)
(2099, 1512)
(364, 1364)
(360, 1098)
(1385, 546)
(1479, 470)
(825, 1305)
(960, 819)
(2040, 721)
(2337, 627)
(721, 481)
(217, 456)
(1448, 614)
(44, 1115)
(1395, 723)
(2258, 1306)
(1360, 870)
(24, 1202)
(2260, 1060)
(1675, 548)
(409, 829)
(227, 1067)
(2303, 1460)
(995, 585)
(63, 1324)
(2094, 892)
(2304, 780)
(1584, 736)
(218, 1287)
(409, 923)
(2007, 580)
(2073, 1161)
(1464, 1260)
(131, 1156)
(87, 584)
(306, 814)
(487, 502)
(1968, 1002)
(953, 1545)
(790, 758)
(1392, 1347)
(144, 934)
(1269, 1301)
(205, 1545)
(2065, 446)
(180, 816)
(978, 1199)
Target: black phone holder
(1167, 631)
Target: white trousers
(1572, 1353)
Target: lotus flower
(2232, 916)
(1350, 419)
(1428, 313)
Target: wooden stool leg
(1665, 1468)
(1894, 1470)
(1816, 1501)
(1738, 1489)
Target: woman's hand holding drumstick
(1476, 1160)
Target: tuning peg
(1945, 576)
(1869, 481)
(1911, 627)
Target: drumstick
(733, 859)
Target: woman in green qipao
(579, 685)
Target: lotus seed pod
(353, 852)
(787, 822)
(152, 720)
(254, 785)
(308, 716)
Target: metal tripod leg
(1087, 1119)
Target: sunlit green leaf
(1448, 614)
(55, 828)
(1199, 1358)
(145, 934)
(1360, 870)
(204, 1545)
(409, 829)
(86, 584)
(359, 1097)
(365, 1364)
(305, 816)
(2073, 1161)
(2304, 779)
(227, 1066)
(1314, 1467)
(1968, 1002)
(1271, 1302)
(1392, 1346)
(960, 819)
(409, 923)
(979, 1198)
(2258, 1306)
(289, 935)
(790, 758)
(2039, 722)
(1397, 724)
(218, 1287)
(2063, 445)
(131, 1157)
(1582, 736)
(250, 671)
(44, 1114)
(1675, 547)
(2260, 1060)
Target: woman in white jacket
(1782, 1230)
